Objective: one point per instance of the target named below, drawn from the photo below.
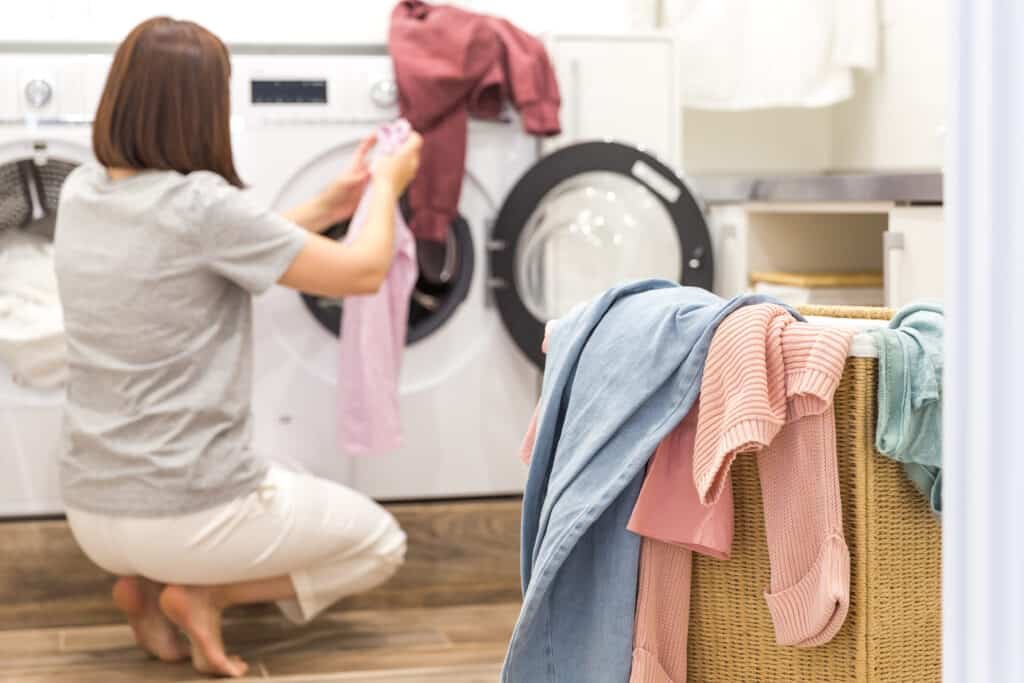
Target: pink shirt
(669, 508)
(373, 329)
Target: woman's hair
(166, 104)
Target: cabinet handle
(892, 268)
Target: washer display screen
(289, 92)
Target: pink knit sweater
(767, 391)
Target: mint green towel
(909, 428)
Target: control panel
(265, 89)
(314, 90)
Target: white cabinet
(903, 242)
(914, 255)
(620, 87)
(794, 238)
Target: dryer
(46, 105)
(533, 237)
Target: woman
(158, 254)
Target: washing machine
(533, 237)
(46, 106)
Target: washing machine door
(584, 219)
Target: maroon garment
(451, 64)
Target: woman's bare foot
(196, 611)
(139, 599)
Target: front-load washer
(533, 237)
(46, 106)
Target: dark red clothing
(451, 64)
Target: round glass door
(589, 233)
(585, 219)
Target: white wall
(771, 140)
(896, 118)
(893, 122)
(310, 21)
(290, 21)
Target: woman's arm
(325, 267)
(313, 215)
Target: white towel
(753, 54)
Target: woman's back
(156, 273)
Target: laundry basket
(892, 633)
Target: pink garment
(767, 391)
(669, 508)
(450, 64)
(662, 613)
(373, 329)
(526, 448)
(674, 523)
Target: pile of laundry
(651, 391)
(32, 344)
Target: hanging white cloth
(32, 343)
(753, 54)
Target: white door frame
(983, 514)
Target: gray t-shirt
(156, 275)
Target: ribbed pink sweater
(767, 390)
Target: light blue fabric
(621, 373)
(909, 425)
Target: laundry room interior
(404, 341)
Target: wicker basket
(892, 633)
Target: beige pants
(331, 541)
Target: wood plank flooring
(446, 616)
(456, 644)
(460, 553)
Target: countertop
(903, 188)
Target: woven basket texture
(892, 633)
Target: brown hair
(166, 103)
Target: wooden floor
(462, 552)
(462, 644)
(446, 616)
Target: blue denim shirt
(621, 373)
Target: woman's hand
(328, 268)
(340, 199)
(398, 169)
